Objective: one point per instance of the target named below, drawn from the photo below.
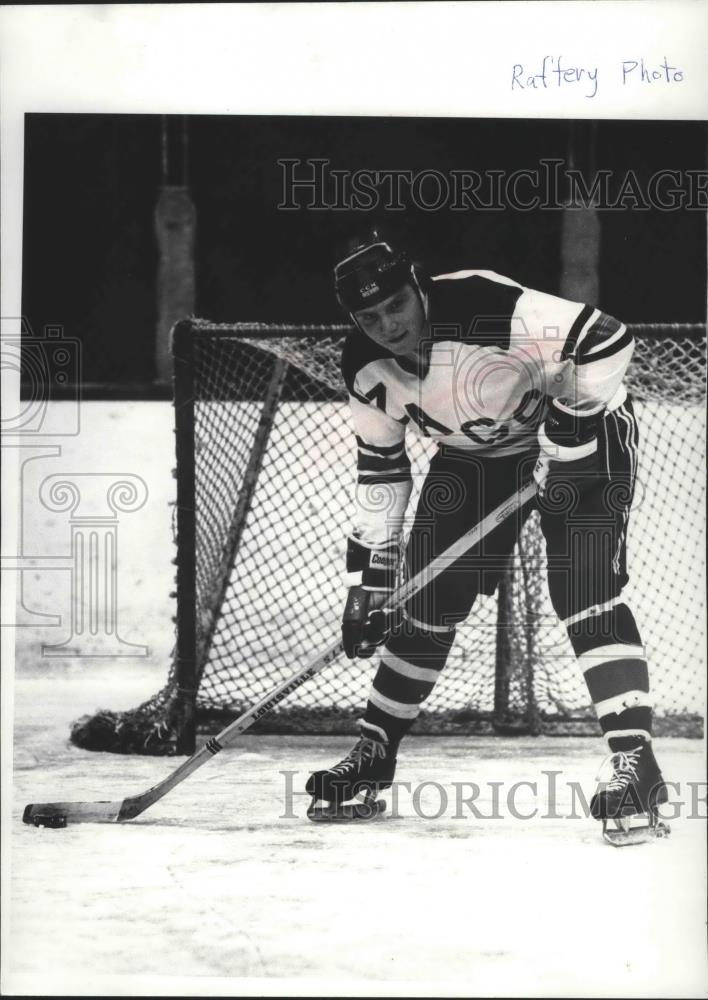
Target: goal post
(266, 460)
(185, 526)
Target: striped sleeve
(383, 473)
(600, 348)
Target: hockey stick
(58, 814)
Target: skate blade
(347, 813)
(630, 830)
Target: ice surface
(225, 877)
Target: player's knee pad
(419, 643)
(603, 625)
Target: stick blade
(60, 814)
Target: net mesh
(275, 460)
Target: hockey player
(510, 383)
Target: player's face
(397, 323)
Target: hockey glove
(372, 571)
(566, 437)
(364, 626)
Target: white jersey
(496, 354)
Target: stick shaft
(228, 735)
(400, 596)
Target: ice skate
(628, 803)
(348, 790)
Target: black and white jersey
(497, 352)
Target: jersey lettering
(377, 396)
(424, 421)
(532, 398)
(497, 434)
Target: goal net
(266, 460)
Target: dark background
(91, 183)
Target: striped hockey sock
(611, 656)
(410, 665)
